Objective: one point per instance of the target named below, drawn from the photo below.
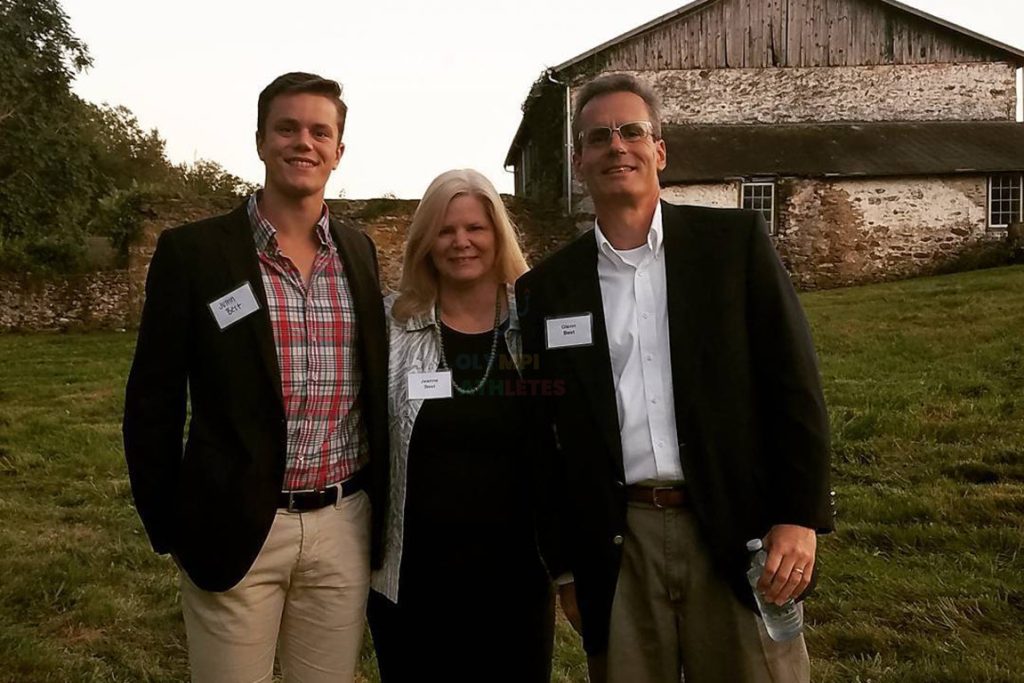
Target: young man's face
(299, 144)
(618, 169)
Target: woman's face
(464, 251)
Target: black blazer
(212, 503)
(748, 404)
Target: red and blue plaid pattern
(315, 335)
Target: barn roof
(715, 152)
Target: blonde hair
(417, 290)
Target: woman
(463, 594)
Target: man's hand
(787, 571)
(567, 598)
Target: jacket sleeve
(793, 418)
(155, 397)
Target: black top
(468, 507)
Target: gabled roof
(714, 153)
(1013, 54)
(1016, 54)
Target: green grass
(923, 581)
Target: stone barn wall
(985, 91)
(832, 233)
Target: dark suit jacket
(212, 503)
(750, 415)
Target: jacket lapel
(239, 251)
(361, 279)
(683, 285)
(592, 364)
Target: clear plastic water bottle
(783, 622)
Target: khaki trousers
(673, 618)
(305, 596)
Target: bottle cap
(754, 544)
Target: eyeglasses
(634, 131)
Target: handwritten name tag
(569, 331)
(234, 306)
(426, 385)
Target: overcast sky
(431, 85)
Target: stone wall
(113, 299)
(841, 232)
(719, 195)
(88, 301)
(985, 91)
(830, 233)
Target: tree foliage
(44, 172)
(70, 167)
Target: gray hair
(612, 83)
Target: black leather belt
(657, 496)
(303, 501)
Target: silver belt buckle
(291, 499)
(654, 495)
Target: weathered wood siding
(790, 33)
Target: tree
(69, 167)
(206, 178)
(123, 153)
(46, 182)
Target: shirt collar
(654, 236)
(265, 234)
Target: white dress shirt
(634, 296)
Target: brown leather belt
(657, 496)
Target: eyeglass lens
(630, 132)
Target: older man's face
(618, 169)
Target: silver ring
(798, 571)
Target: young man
(692, 418)
(269, 320)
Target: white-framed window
(1005, 197)
(760, 196)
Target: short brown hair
(300, 82)
(612, 83)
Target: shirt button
(654, 401)
(645, 316)
(661, 444)
(618, 539)
(650, 357)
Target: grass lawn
(923, 581)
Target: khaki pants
(305, 596)
(673, 618)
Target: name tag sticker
(427, 385)
(234, 306)
(569, 331)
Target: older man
(692, 418)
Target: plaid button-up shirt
(315, 336)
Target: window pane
(1004, 199)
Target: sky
(431, 85)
